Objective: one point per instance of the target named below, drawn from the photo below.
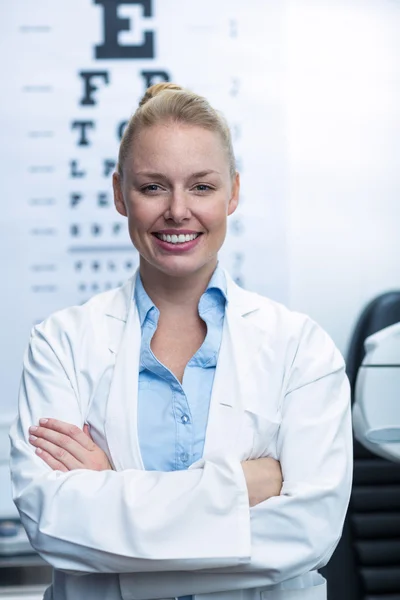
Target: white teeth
(178, 239)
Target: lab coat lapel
(241, 341)
(121, 413)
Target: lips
(177, 238)
(177, 241)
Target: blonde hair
(165, 102)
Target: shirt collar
(216, 287)
(218, 282)
(143, 300)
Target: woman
(171, 404)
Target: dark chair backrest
(366, 563)
(382, 312)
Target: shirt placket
(184, 428)
(181, 409)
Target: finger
(71, 431)
(61, 441)
(86, 431)
(60, 455)
(52, 462)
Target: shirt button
(184, 457)
(185, 419)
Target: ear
(234, 199)
(118, 196)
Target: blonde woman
(179, 436)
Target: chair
(366, 563)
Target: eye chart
(74, 73)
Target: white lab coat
(376, 410)
(280, 390)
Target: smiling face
(176, 182)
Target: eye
(151, 188)
(203, 187)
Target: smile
(177, 239)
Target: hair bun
(156, 89)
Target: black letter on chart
(83, 126)
(102, 199)
(89, 88)
(75, 172)
(113, 24)
(121, 129)
(109, 166)
(151, 77)
(75, 198)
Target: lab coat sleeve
(133, 520)
(296, 532)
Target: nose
(178, 207)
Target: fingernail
(32, 438)
(38, 451)
(33, 428)
(43, 421)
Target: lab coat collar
(239, 300)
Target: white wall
(343, 135)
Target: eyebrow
(161, 176)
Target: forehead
(177, 147)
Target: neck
(176, 294)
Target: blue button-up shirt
(172, 416)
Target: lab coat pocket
(257, 436)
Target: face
(177, 193)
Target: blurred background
(311, 90)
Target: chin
(182, 268)
(179, 271)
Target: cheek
(215, 216)
(141, 215)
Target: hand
(263, 478)
(65, 447)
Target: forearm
(116, 521)
(286, 544)
(134, 520)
